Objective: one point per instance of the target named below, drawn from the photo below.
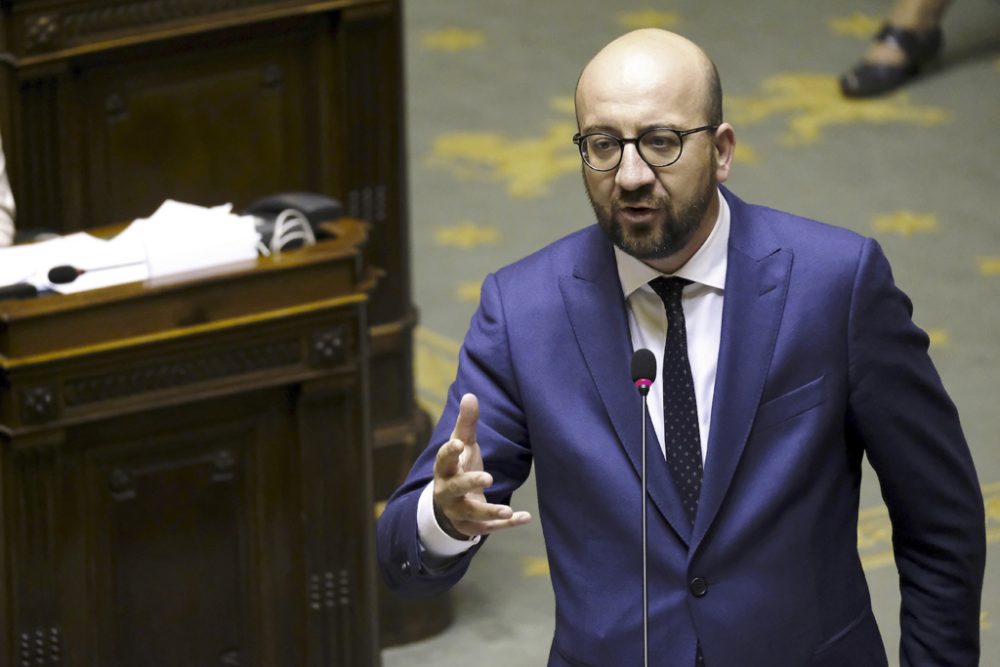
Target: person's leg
(911, 37)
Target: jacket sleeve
(909, 427)
(484, 369)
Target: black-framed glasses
(658, 147)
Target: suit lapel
(596, 309)
(756, 287)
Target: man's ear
(725, 148)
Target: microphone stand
(643, 373)
(645, 585)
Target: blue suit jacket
(819, 365)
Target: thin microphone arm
(66, 273)
(643, 373)
(645, 580)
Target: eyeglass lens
(658, 147)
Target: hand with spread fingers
(460, 504)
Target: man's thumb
(468, 415)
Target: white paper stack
(178, 238)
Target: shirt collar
(707, 266)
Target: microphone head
(60, 275)
(643, 370)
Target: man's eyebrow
(607, 129)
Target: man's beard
(659, 239)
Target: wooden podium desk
(185, 469)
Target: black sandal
(870, 79)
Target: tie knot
(669, 289)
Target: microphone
(643, 370)
(63, 274)
(643, 375)
(18, 291)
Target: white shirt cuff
(437, 542)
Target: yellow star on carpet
(564, 104)
(874, 537)
(856, 25)
(453, 40)
(813, 102)
(905, 223)
(468, 291)
(533, 566)
(991, 498)
(648, 18)
(746, 154)
(465, 235)
(939, 337)
(435, 360)
(527, 164)
(989, 266)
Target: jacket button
(698, 587)
(405, 567)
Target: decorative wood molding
(183, 372)
(223, 466)
(38, 404)
(121, 485)
(329, 590)
(368, 203)
(331, 346)
(41, 31)
(51, 30)
(43, 646)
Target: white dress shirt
(647, 321)
(702, 304)
(6, 205)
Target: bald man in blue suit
(803, 359)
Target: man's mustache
(639, 201)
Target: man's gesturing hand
(460, 506)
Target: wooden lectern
(108, 107)
(185, 469)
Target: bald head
(651, 62)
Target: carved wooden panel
(339, 609)
(156, 500)
(209, 130)
(35, 527)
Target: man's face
(651, 213)
(656, 220)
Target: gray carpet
(493, 175)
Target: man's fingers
(468, 415)
(446, 463)
(462, 484)
(491, 526)
(476, 509)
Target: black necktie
(681, 438)
(681, 435)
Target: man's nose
(633, 172)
